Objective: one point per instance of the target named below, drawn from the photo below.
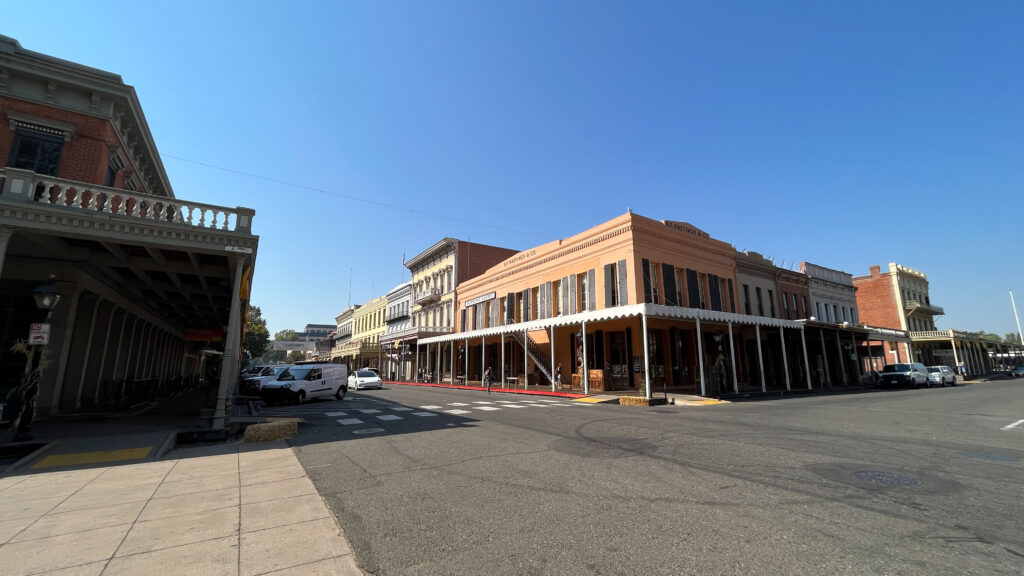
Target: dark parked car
(1017, 372)
(914, 375)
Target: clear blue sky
(845, 134)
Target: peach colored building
(632, 303)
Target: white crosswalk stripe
(384, 411)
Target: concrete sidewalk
(232, 509)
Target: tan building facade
(437, 272)
(633, 303)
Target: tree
(1011, 338)
(286, 336)
(256, 337)
(295, 356)
(274, 356)
(991, 337)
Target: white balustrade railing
(27, 186)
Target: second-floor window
(39, 153)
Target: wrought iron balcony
(912, 306)
(427, 296)
(396, 315)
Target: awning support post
(785, 360)
(732, 356)
(700, 360)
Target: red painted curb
(493, 389)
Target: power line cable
(351, 196)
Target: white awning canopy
(650, 310)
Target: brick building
(152, 286)
(899, 298)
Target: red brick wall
(875, 301)
(475, 259)
(84, 158)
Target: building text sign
(479, 299)
(203, 335)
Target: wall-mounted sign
(479, 299)
(203, 334)
(39, 334)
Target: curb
(32, 456)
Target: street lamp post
(46, 297)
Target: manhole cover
(368, 431)
(886, 478)
(994, 457)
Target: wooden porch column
(760, 357)
(586, 373)
(552, 338)
(824, 357)
(526, 361)
(88, 351)
(785, 360)
(842, 361)
(229, 362)
(732, 357)
(807, 365)
(700, 360)
(647, 359)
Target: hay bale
(641, 401)
(270, 431)
(633, 401)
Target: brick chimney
(876, 271)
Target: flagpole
(1019, 335)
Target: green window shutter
(623, 291)
(608, 279)
(668, 277)
(647, 280)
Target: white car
(362, 379)
(306, 381)
(940, 376)
(254, 382)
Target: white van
(303, 382)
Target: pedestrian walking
(487, 379)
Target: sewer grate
(368, 431)
(886, 478)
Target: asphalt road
(890, 482)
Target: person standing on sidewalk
(487, 379)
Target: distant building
(899, 298)
(398, 324)
(437, 273)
